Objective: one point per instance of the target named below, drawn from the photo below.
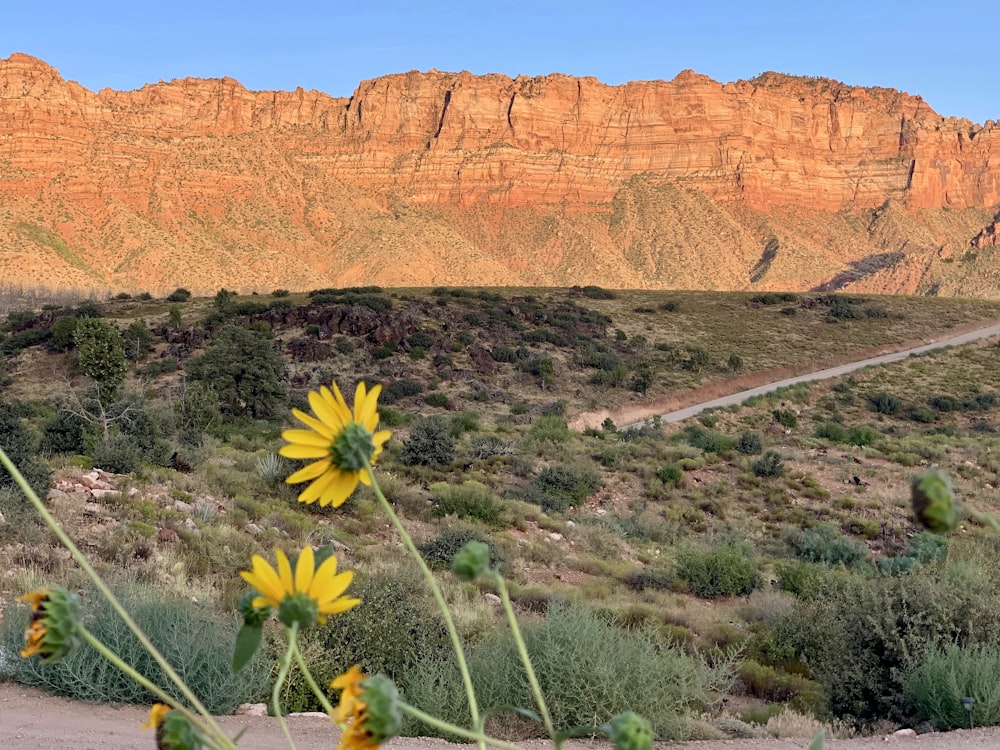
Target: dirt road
(737, 390)
(33, 720)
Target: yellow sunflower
(52, 630)
(156, 714)
(341, 442)
(369, 712)
(306, 597)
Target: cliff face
(134, 188)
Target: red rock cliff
(133, 187)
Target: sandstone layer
(441, 178)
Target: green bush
(553, 429)
(398, 389)
(862, 435)
(21, 448)
(885, 403)
(393, 627)
(100, 352)
(118, 454)
(749, 443)
(430, 443)
(671, 474)
(946, 675)
(786, 418)
(725, 571)
(824, 544)
(587, 668)
(709, 441)
(560, 486)
(196, 643)
(832, 431)
(861, 636)
(471, 500)
(441, 550)
(769, 465)
(436, 399)
(179, 295)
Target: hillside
(440, 178)
(771, 542)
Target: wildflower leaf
(819, 742)
(247, 643)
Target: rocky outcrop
(413, 179)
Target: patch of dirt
(34, 720)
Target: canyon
(432, 178)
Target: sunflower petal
(326, 571)
(315, 490)
(306, 437)
(325, 411)
(310, 421)
(294, 450)
(304, 569)
(339, 605)
(340, 489)
(285, 573)
(332, 586)
(311, 471)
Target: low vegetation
(765, 551)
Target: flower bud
(353, 448)
(471, 561)
(629, 731)
(383, 718)
(300, 608)
(253, 616)
(934, 502)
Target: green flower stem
(439, 597)
(220, 741)
(81, 560)
(468, 734)
(522, 651)
(286, 662)
(320, 695)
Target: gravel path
(33, 720)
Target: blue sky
(936, 50)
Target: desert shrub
(179, 295)
(824, 544)
(441, 550)
(920, 414)
(709, 441)
(63, 433)
(392, 628)
(945, 403)
(885, 403)
(786, 418)
(769, 684)
(861, 636)
(344, 345)
(560, 486)
(430, 443)
(398, 389)
(927, 547)
(20, 446)
(553, 429)
(832, 431)
(587, 668)
(724, 571)
(195, 642)
(657, 579)
(100, 352)
(436, 399)
(117, 453)
(503, 354)
(462, 422)
(596, 292)
(472, 500)
(769, 465)
(671, 474)
(62, 333)
(749, 443)
(862, 435)
(799, 577)
(947, 674)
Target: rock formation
(441, 178)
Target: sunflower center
(352, 448)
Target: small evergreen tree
(100, 353)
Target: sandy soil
(33, 720)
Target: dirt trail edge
(33, 720)
(679, 406)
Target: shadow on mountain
(860, 269)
